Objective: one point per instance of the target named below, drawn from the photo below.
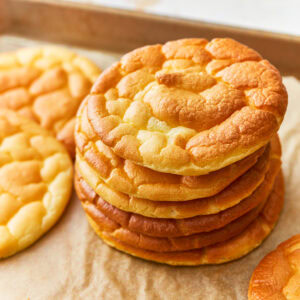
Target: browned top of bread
(278, 275)
(189, 106)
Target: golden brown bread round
(278, 275)
(47, 85)
(95, 207)
(188, 107)
(241, 188)
(222, 252)
(129, 178)
(36, 175)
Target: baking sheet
(71, 262)
(99, 27)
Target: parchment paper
(71, 262)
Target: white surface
(271, 15)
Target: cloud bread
(188, 107)
(130, 178)
(278, 275)
(222, 252)
(47, 84)
(240, 189)
(95, 206)
(35, 182)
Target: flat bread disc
(35, 182)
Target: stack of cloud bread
(178, 158)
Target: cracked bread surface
(47, 85)
(188, 107)
(35, 182)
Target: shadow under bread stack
(178, 158)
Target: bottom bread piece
(229, 250)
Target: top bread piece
(188, 107)
(278, 275)
(47, 85)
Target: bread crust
(188, 107)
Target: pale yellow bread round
(35, 182)
(97, 208)
(222, 252)
(278, 275)
(188, 107)
(47, 84)
(240, 189)
(129, 178)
